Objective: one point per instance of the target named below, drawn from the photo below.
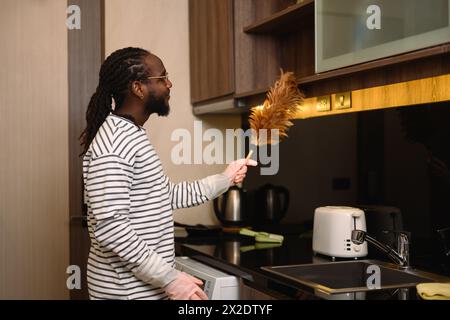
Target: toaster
(333, 229)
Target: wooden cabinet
(211, 49)
(256, 38)
(224, 60)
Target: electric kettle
(272, 203)
(230, 207)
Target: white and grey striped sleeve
(188, 194)
(108, 184)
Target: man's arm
(188, 194)
(108, 185)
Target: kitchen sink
(353, 276)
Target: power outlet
(342, 100)
(323, 104)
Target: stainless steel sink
(352, 276)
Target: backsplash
(394, 157)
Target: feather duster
(280, 106)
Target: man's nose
(169, 84)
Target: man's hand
(237, 169)
(185, 287)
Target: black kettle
(272, 203)
(230, 207)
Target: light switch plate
(342, 100)
(323, 103)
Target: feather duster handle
(281, 105)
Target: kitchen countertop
(241, 256)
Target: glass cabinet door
(349, 32)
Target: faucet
(400, 257)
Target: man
(129, 198)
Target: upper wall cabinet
(227, 62)
(239, 46)
(211, 49)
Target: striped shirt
(130, 202)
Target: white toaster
(333, 230)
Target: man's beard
(157, 105)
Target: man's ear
(136, 88)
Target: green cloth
(262, 236)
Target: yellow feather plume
(281, 105)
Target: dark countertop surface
(242, 256)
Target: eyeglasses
(165, 77)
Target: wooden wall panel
(34, 227)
